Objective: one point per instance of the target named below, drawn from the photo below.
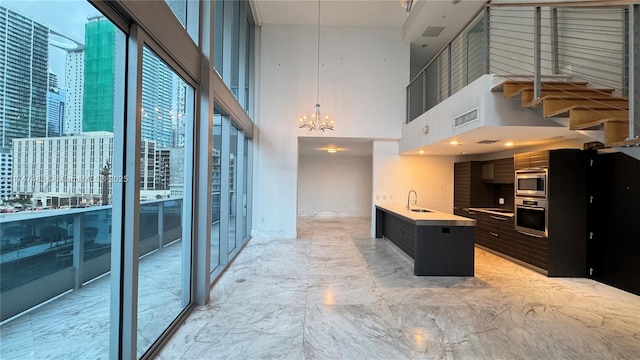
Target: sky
(66, 17)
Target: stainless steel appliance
(532, 182)
(532, 216)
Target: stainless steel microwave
(532, 182)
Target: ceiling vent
(432, 31)
(466, 118)
(487, 142)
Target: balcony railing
(46, 253)
(598, 44)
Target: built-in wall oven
(531, 216)
(531, 182)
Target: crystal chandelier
(316, 121)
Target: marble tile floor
(337, 293)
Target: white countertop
(432, 218)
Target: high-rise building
(74, 87)
(162, 109)
(159, 113)
(24, 52)
(5, 175)
(55, 107)
(99, 75)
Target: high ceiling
(450, 15)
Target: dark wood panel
(461, 185)
(521, 161)
(614, 251)
(401, 232)
(503, 171)
(539, 159)
(567, 213)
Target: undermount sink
(420, 210)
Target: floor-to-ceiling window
(167, 109)
(216, 181)
(233, 186)
(245, 187)
(61, 95)
(111, 163)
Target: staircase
(586, 108)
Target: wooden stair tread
(633, 142)
(598, 123)
(571, 97)
(580, 115)
(510, 89)
(529, 102)
(557, 106)
(567, 89)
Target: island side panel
(400, 231)
(444, 251)
(379, 223)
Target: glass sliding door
(61, 71)
(167, 110)
(233, 186)
(245, 189)
(216, 182)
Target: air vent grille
(432, 31)
(466, 118)
(487, 142)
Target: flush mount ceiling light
(316, 121)
(332, 150)
(407, 5)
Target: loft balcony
(564, 57)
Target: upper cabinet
(536, 159)
(498, 171)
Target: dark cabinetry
(498, 171)
(497, 233)
(563, 252)
(469, 190)
(537, 159)
(614, 247)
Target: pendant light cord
(318, 89)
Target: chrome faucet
(409, 199)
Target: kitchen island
(440, 244)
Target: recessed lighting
(332, 150)
(509, 143)
(454, 142)
(421, 152)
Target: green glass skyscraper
(99, 70)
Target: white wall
(394, 175)
(364, 72)
(334, 185)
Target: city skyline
(66, 20)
